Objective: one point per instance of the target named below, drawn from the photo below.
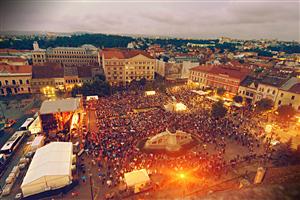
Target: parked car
(9, 123)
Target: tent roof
(61, 105)
(54, 159)
(136, 177)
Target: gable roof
(123, 53)
(48, 71)
(15, 69)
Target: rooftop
(123, 53)
(232, 71)
(13, 69)
(292, 85)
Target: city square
(149, 100)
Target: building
(248, 88)
(121, 66)
(268, 87)
(61, 77)
(228, 76)
(289, 94)
(15, 79)
(199, 75)
(84, 55)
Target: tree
(284, 155)
(143, 81)
(238, 99)
(220, 91)
(286, 112)
(218, 110)
(101, 77)
(100, 88)
(264, 105)
(75, 90)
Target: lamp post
(91, 186)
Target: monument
(168, 141)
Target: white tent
(137, 179)
(50, 169)
(35, 127)
(37, 143)
(61, 105)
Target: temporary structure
(50, 169)
(137, 179)
(175, 107)
(61, 105)
(37, 143)
(168, 141)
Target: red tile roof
(230, 70)
(202, 68)
(13, 59)
(13, 51)
(4, 68)
(123, 53)
(50, 70)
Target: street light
(91, 186)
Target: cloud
(237, 19)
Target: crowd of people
(126, 118)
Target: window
(13, 82)
(273, 92)
(279, 102)
(293, 97)
(281, 95)
(21, 82)
(6, 82)
(268, 90)
(0, 83)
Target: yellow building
(289, 94)
(121, 66)
(62, 78)
(84, 55)
(15, 79)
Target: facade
(15, 79)
(61, 77)
(248, 89)
(268, 87)
(79, 56)
(289, 94)
(199, 75)
(121, 66)
(216, 76)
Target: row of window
(128, 78)
(122, 63)
(69, 52)
(262, 89)
(290, 104)
(121, 73)
(249, 94)
(68, 56)
(14, 82)
(14, 90)
(61, 83)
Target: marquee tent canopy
(61, 105)
(136, 177)
(50, 169)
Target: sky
(242, 19)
